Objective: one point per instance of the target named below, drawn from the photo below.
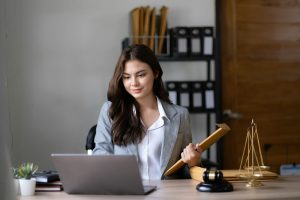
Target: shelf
(168, 59)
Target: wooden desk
(286, 188)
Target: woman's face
(138, 79)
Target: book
(55, 188)
(50, 186)
(46, 176)
(49, 183)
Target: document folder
(135, 14)
(141, 26)
(152, 29)
(162, 29)
(146, 25)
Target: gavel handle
(222, 130)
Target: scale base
(254, 183)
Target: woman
(139, 118)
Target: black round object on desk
(213, 182)
(223, 186)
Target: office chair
(90, 144)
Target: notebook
(100, 174)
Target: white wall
(61, 55)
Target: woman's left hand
(191, 155)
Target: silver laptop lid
(99, 174)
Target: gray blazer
(177, 135)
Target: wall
(61, 55)
(6, 182)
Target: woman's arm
(191, 153)
(103, 140)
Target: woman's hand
(191, 155)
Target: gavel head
(213, 182)
(212, 176)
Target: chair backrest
(90, 143)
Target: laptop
(100, 174)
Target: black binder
(172, 88)
(180, 42)
(184, 95)
(197, 96)
(196, 40)
(208, 41)
(209, 96)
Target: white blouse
(149, 149)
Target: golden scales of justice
(252, 163)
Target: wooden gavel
(222, 130)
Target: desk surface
(287, 188)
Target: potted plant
(26, 182)
(16, 178)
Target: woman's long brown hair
(126, 124)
